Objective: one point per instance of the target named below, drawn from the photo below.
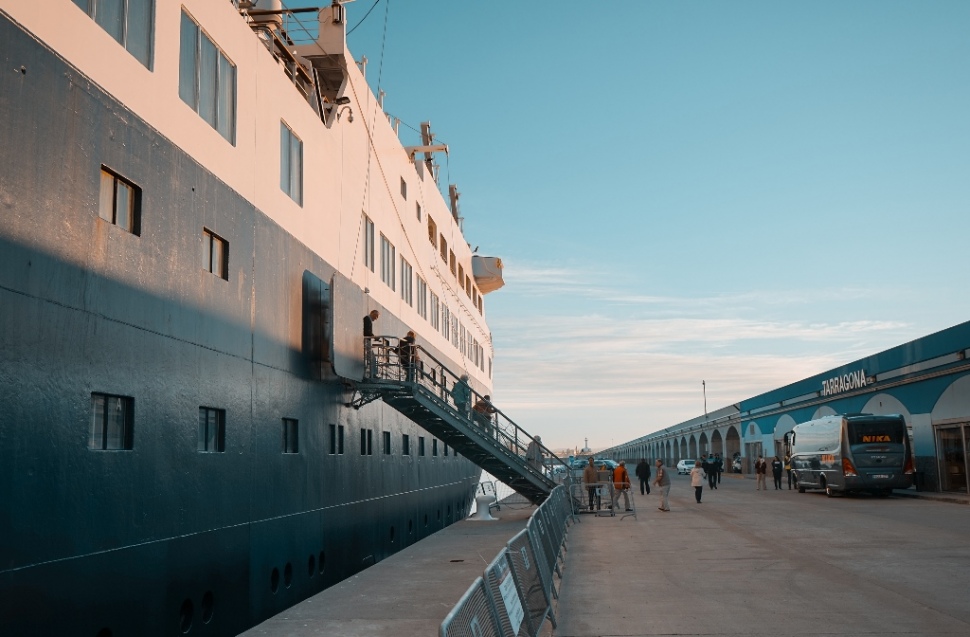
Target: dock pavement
(724, 567)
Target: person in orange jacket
(621, 484)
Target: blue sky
(745, 193)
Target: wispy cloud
(570, 373)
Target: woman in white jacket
(697, 477)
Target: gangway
(480, 431)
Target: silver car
(684, 466)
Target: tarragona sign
(844, 383)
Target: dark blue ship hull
(161, 538)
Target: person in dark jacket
(776, 468)
(710, 469)
(643, 472)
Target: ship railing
(390, 358)
(515, 594)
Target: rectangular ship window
(333, 439)
(404, 188)
(215, 254)
(406, 279)
(434, 446)
(451, 262)
(435, 319)
(387, 443)
(432, 232)
(444, 248)
(420, 445)
(112, 422)
(418, 210)
(368, 243)
(422, 294)
(291, 163)
(120, 202)
(291, 435)
(405, 445)
(207, 79)
(129, 22)
(212, 429)
(366, 442)
(387, 262)
(445, 448)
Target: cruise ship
(197, 209)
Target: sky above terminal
(741, 193)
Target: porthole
(185, 616)
(311, 566)
(274, 580)
(287, 575)
(208, 604)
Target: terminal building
(926, 380)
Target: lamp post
(704, 388)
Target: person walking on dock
(662, 480)
(776, 467)
(761, 473)
(621, 484)
(697, 477)
(461, 393)
(643, 472)
(590, 478)
(711, 471)
(718, 469)
(788, 470)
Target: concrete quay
(743, 562)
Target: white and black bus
(852, 452)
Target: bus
(852, 452)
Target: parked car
(684, 466)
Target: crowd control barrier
(514, 596)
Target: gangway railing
(409, 378)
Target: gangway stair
(480, 432)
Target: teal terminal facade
(926, 380)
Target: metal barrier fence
(514, 596)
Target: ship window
(434, 446)
(387, 443)
(420, 445)
(212, 429)
(291, 163)
(404, 188)
(112, 422)
(435, 319)
(432, 232)
(336, 439)
(451, 262)
(120, 202)
(444, 248)
(387, 262)
(215, 254)
(207, 79)
(461, 277)
(367, 442)
(418, 210)
(445, 321)
(405, 445)
(406, 279)
(129, 22)
(422, 293)
(368, 243)
(291, 435)
(445, 448)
